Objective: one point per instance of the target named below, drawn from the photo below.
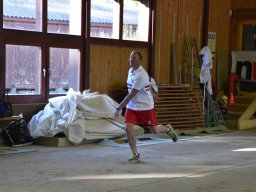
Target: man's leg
(158, 129)
(165, 129)
(129, 128)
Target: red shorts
(147, 117)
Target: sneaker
(172, 133)
(134, 157)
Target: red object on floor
(231, 99)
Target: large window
(105, 19)
(63, 16)
(43, 42)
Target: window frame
(81, 42)
(44, 40)
(120, 41)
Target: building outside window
(105, 19)
(64, 17)
(136, 20)
(22, 15)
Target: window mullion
(121, 19)
(44, 16)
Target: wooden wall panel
(166, 13)
(163, 39)
(109, 66)
(190, 13)
(175, 20)
(219, 22)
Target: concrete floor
(206, 163)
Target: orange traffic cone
(231, 99)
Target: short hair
(139, 54)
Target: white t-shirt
(139, 79)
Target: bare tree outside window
(23, 69)
(64, 70)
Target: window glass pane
(136, 20)
(105, 16)
(23, 70)
(22, 14)
(64, 70)
(64, 17)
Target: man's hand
(117, 113)
(155, 97)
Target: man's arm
(128, 98)
(154, 94)
(125, 101)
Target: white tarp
(78, 116)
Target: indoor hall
(63, 76)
